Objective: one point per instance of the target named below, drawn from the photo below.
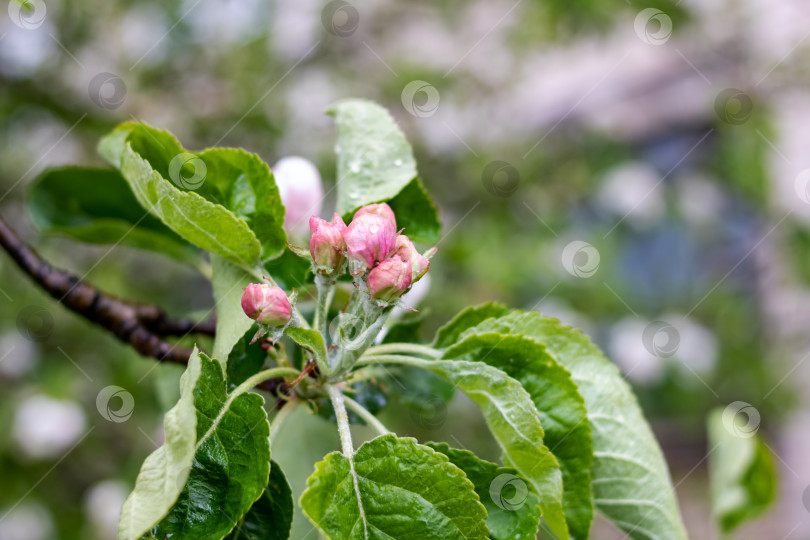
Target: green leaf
(742, 475)
(290, 270)
(515, 423)
(407, 491)
(97, 206)
(312, 340)
(406, 328)
(245, 360)
(247, 186)
(375, 161)
(561, 408)
(416, 213)
(376, 164)
(201, 222)
(513, 511)
(631, 482)
(228, 281)
(423, 392)
(231, 462)
(270, 518)
(449, 334)
(223, 200)
(212, 467)
(164, 473)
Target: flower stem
(352, 350)
(370, 360)
(346, 443)
(342, 420)
(366, 415)
(326, 291)
(263, 376)
(394, 348)
(363, 375)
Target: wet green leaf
(448, 334)
(631, 482)
(164, 472)
(270, 518)
(213, 466)
(223, 200)
(514, 421)
(407, 490)
(311, 340)
(513, 511)
(245, 359)
(375, 161)
(229, 282)
(561, 408)
(416, 213)
(231, 461)
(376, 164)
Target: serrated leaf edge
(409, 440)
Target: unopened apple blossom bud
(301, 190)
(370, 237)
(380, 209)
(327, 245)
(407, 252)
(390, 279)
(266, 304)
(419, 267)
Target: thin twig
(308, 368)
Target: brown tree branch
(155, 320)
(141, 326)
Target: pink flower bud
(301, 190)
(370, 237)
(405, 249)
(390, 279)
(327, 245)
(380, 209)
(266, 304)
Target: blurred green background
(636, 173)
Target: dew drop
(398, 162)
(354, 195)
(374, 229)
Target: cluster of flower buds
(266, 304)
(371, 248)
(370, 243)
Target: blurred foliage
(742, 473)
(259, 75)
